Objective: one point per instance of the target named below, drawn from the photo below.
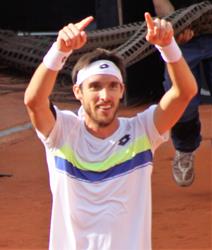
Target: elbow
(30, 101)
(191, 92)
(187, 93)
(27, 100)
(33, 102)
(193, 89)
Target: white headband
(102, 67)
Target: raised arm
(36, 97)
(165, 8)
(184, 87)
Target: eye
(114, 85)
(95, 86)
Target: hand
(73, 36)
(159, 31)
(185, 36)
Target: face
(100, 97)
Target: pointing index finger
(149, 21)
(84, 23)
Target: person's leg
(206, 49)
(186, 138)
(185, 134)
(208, 74)
(207, 67)
(206, 42)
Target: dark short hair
(95, 55)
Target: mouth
(104, 106)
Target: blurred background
(144, 78)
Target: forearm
(183, 81)
(184, 88)
(40, 87)
(44, 78)
(36, 99)
(177, 98)
(163, 7)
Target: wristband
(170, 53)
(55, 59)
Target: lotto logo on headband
(104, 66)
(100, 67)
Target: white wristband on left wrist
(170, 53)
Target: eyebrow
(99, 82)
(94, 83)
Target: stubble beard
(101, 123)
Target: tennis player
(100, 165)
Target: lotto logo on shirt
(124, 140)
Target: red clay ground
(182, 217)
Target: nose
(104, 94)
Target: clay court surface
(182, 217)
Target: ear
(77, 92)
(122, 90)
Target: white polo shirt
(101, 188)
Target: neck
(102, 132)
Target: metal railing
(25, 52)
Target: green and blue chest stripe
(136, 154)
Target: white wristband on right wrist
(170, 53)
(55, 59)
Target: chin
(105, 122)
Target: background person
(186, 134)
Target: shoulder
(65, 113)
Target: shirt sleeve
(147, 120)
(66, 122)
